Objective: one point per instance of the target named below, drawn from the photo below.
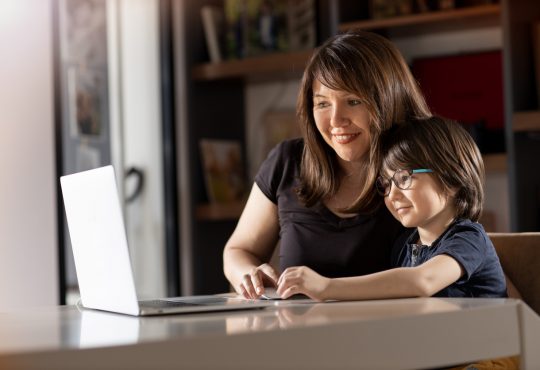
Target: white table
(385, 334)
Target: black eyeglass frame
(384, 185)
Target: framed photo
(223, 170)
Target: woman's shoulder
(280, 169)
(285, 152)
(290, 147)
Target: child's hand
(302, 279)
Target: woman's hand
(252, 284)
(251, 244)
(304, 280)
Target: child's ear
(452, 192)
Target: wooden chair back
(519, 254)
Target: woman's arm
(420, 281)
(251, 246)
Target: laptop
(101, 253)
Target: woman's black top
(315, 236)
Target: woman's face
(343, 121)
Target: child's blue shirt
(466, 242)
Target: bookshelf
(207, 84)
(258, 68)
(414, 20)
(267, 66)
(522, 113)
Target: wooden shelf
(480, 11)
(292, 63)
(495, 162)
(219, 212)
(526, 121)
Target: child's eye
(403, 179)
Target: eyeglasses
(402, 179)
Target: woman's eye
(355, 102)
(321, 104)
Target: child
(432, 181)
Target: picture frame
(223, 170)
(86, 95)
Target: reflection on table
(301, 334)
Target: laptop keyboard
(159, 303)
(162, 303)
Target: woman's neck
(352, 175)
(354, 171)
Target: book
(255, 27)
(223, 170)
(301, 24)
(213, 20)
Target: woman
(316, 195)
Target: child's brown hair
(445, 147)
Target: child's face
(424, 204)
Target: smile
(402, 209)
(345, 138)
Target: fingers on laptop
(252, 286)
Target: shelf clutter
(293, 62)
(449, 15)
(267, 65)
(244, 37)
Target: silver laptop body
(101, 253)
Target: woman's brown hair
(371, 67)
(447, 149)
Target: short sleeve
(276, 167)
(468, 246)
